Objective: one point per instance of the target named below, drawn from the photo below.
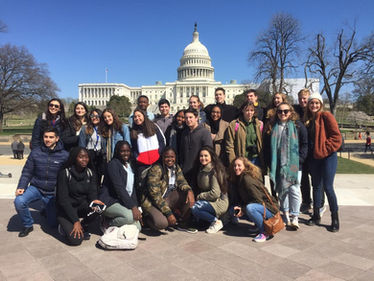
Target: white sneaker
(215, 227)
(295, 223)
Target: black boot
(334, 222)
(316, 218)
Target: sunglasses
(94, 116)
(279, 111)
(54, 105)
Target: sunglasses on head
(54, 105)
(280, 111)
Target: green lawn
(346, 166)
(9, 131)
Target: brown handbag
(273, 224)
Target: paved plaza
(312, 253)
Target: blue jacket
(40, 125)
(42, 167)
(117, 136)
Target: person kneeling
(247, 180)
(167, 198)
(76, 189)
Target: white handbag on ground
(120, 238)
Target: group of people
(18, 148)
(201, 166)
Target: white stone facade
(195, 77)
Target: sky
(140, 42)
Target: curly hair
(104, 128)
(294, 116)
(249, 168)
(219, 169)
(271, 110)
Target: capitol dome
(195, 63)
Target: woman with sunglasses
(324, 141)
(70, 136)
(54, 116)
(91, 139)
(287, 150)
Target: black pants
(68, 225)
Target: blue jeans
(30, 195)
(255, 213)
(204, 211)
(323, 174)
(290, 198)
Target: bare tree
(275, 50)
(23, 81)
(336, 66)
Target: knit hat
(317, 96)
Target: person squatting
(202, 168)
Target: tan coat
(211, 191)
(235, 142)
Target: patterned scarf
(284, 155)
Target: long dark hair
(73, 154)
(61, 113)
(219, 169)
(148, 128)
(90, 125)
(104, 128)
(74, 119)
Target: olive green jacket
(211, 191)
(235, 140)
(251, 190)
(157, 184)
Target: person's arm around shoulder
(333, 136)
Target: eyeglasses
(54, 105)
(95, 116)
(280, 111)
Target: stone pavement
(312, 253)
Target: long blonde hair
(309, 116)
(249, 168)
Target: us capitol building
(195, 77)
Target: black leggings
(67, 225)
